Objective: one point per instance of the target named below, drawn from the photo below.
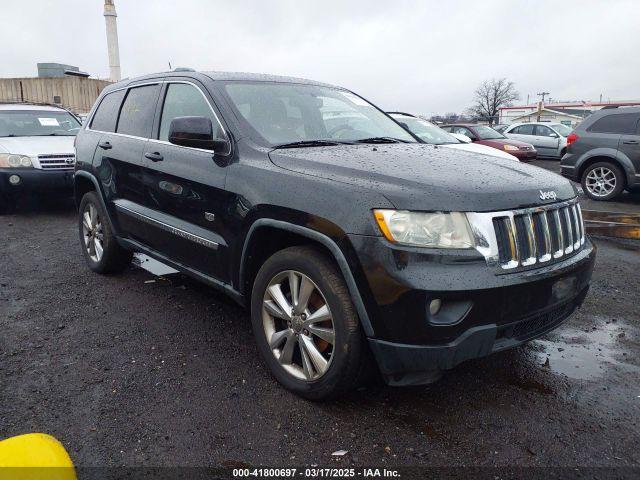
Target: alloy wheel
(92, 232)
(601, 181)
(298, 325)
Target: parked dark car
(603, 153)
(354, 246)
(484, 135)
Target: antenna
(169, 65)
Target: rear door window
(523, 130)
(621, 123)
(136, 114)
(106, 115)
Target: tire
(99, 246)
(602, 181)
(347, 356)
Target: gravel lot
(134, 370)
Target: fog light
(14, 179)
(434, 306)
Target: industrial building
(567, 113)
(65, 85)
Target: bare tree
(491, 95)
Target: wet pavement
(136, 369)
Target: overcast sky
(419, 56)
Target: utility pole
(112, 40)
(542, 94)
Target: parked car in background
(351, 243)
(36, 151)
(603, 153)
(483, 135)
(549, 139)
(427, 132)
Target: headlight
(436, 230)
(9, 160)
(511, 148)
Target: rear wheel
(305, 325)
(100, 248)
(603, 181)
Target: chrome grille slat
(529, 236)
(57, 161)
(569, 240)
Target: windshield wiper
(381, 140)
(311, 143)
(7, 136)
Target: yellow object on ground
(35, 456)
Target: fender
(96, 184)
(333, 248)
(613, 154)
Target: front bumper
(525, 155)
(34, 180)
(490, 311)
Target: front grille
(63, 161)
(514, 240)
(533, 326)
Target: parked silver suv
(36, 151)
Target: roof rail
(37, 104)
(183, 69)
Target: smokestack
(112, 40)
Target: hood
(499, 142)
(34, 146)
(426, 177)
(482, 149)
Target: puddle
(584, 355)
(152, 266)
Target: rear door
(524, 133)
(184, 186)
(119, 156)
(630, 139)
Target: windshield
(426, 131)
(487, 133)
(284, 113)
(36, 123)
(561, 129)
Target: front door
(546, 141)
(184, 188)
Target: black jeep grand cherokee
(343, 235)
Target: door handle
(154, 156)
(630, 142)
(105, 145)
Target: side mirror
(196, 132)
(553, 135)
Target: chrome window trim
(483, 229)
(170, 228)
(155, 140)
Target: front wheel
(99, 245)
(603, 181)
(305, 324)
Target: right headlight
(10, 160)
(422, 229)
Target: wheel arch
(255, 252)
(84, 182)
(613, 159)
